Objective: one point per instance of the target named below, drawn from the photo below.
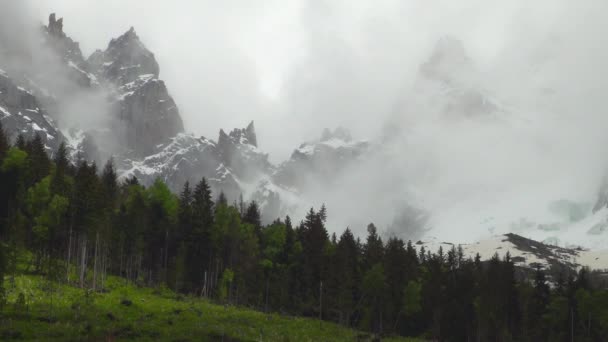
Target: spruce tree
(200, 248)
(253, 217)
(346, 276)
(374, 248)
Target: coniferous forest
(79, 225)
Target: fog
(296, 67)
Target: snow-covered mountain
(21, 113)
(147, 114)
(525, 252)
(114, 104)
(227, 163)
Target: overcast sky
(298, 66)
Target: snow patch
(5, 112)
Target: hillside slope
(55, 312)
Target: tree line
(81, 224)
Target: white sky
(287, 64)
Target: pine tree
(253, 217)
(346, 276)
(374, 248)
(200, 248)
(221, 199)
(21, 143)
(39, 164)
(399, 271)
(314, 238)
(183, 234)
(59, 183)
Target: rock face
(20, 113)
(227, 164)
(124, 60)
(148, 115)
(320, 161)
(238, 150)
(69, 52)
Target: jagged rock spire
(250, 134)
(55, 25)
(239, 136)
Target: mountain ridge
(145, 136)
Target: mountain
(525, 253)
(114, 104)
(69, 53)
(147, 114)
(321, 160)
(227, 163)
(21, 113)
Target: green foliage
(274, 237)
(159, 193)
(374, 281)
(412, 298)
(60, 222)
(225, 282)
(14, 160)
(153, 316)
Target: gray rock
(125, 59)
(226, 164)
(21, 113)
(320, 161)
(69, 52)
(147, 114)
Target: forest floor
(39, 310)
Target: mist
(298, 67)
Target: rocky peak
(240, 136)
(147, 114)
(73, 62)
(55, 26)
(238, 150)
(64, 46)
(125, 59)
(21, 113)
(448, 58)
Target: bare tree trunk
(128, 266)
(120, 259)
(166, 261)
(205, 285)
(83, 264)
(320, 302)
(139, 269)
(267, 285)
(69, 255)
(104, 263)
(95, 262)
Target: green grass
(56, 312)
